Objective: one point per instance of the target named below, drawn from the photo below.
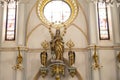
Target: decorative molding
(78, 75)
(37, 50)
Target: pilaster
(21, 28)
(21, 24)
(92, 23)
(116, 23)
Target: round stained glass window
(57, 11)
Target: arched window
(11, 21)
(103, 21)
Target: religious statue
(57, 66)
(118, 57)
(57, 46)
(43, 58)
(71, 55)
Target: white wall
(83, 32)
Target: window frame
(6, 26)
(108, 32)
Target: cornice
(37, 50)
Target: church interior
(59, 39)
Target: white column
(119, 71)
(21, 25)
(1, 11)
(116, 23)
(21, 36)
(1, 20)
(19, 75)
(92, 23)
(96, 74)
(93, 34)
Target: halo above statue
(58, 13)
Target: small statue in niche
(71, 55)
(43, 58)
(118, 57)
(57, 46)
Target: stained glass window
(103, 21)
(11, 21)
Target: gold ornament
(45, 45)
(70, 44)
